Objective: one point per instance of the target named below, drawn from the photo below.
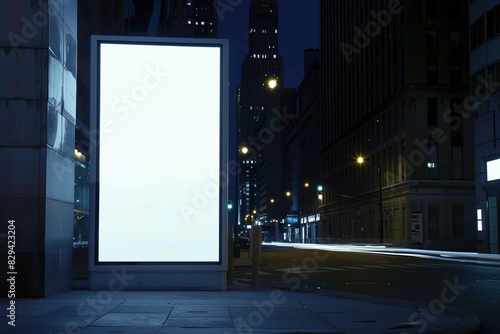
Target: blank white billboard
(159, 152)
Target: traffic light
(229, 205)
(319, 192)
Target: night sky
(298, 30)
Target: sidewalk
(240, 309)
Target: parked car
(243, 242)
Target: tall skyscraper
(394, 80)
(256, 98)
(261, 63)
(172, 18)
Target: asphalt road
(433, 283)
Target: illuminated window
(493, 170)
(479, 220)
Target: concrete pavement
(240, 309)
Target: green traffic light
(230, 205)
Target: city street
(436, 284)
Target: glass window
(455, 10)
(432, 72)
(491, 71)
(456, 106)
(455, 75)
(497, 20)
(454, 40)
(431, 9)
(433, 221)
(432, 163)
(457, 161)
(473, 38)
(432, 111)
(432, 40)
(480, 31)
(457, 217)
(490, 24)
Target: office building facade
(484, 20)
(394, 88)
(37, 142)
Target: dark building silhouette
(391, 76)
(309, 154)
(484, 29)
(256, 102)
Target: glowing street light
(272, 83)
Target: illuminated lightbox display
(493, 170)
(159, 115)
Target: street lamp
(272, 82)
(244, 150)
(360, 160)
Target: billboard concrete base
(118, 280)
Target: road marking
(374, 266)
(420, 265)
(353, 267)
(396, 266)
(331, 268)
(300, 270)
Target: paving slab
(241, 309)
